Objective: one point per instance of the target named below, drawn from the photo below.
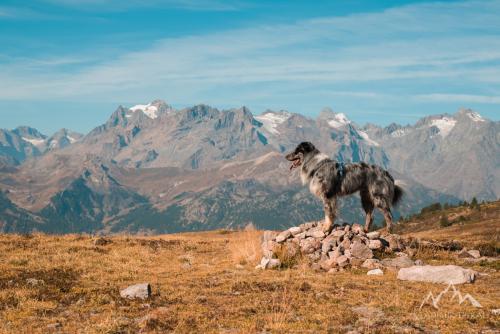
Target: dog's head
(297, 156)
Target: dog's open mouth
(295, 163)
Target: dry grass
(206, 283)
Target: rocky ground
(344, 282)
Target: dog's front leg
(329, 206)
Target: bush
(431, 208)
(444, 222)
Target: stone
(273, 263)
(360, 250)
(338, 233)
(315, 256)
(300, 236)
(473, 254)
(328, 264)
(495, 311)
(398, 262)
(348, 253)
(346, 243)
(268, 248)
(335, 253)
(449, 274)
(373, 235)
(102, 242)
(357, 229)
(347, 227)
(295, 230)
(291, 249)
(371, 264)
(266, 263)
(315, 233)
(342, 261)
(376, 272)
(268, 236)
(35, 282)
(328, 244)
(356, 262)
(283, 236)
(394, 242)
(307, 226)
(419, 262)
(375, 244)
(309, 245)
(140, 291)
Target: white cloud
(459, 98)
(424, 42)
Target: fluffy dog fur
(328, 179)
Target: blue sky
(70, 63)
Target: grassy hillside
(206, 282)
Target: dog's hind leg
(386, 211)
(368, 206)
(329, 205)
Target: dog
(328, 180)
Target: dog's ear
(305, 147)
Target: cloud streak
(415, 46)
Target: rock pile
(344, 246)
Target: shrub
(444, 222)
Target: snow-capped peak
(475, 116)
(148, 109)
(367, 139)
(271, 120)
(444, 124)
(338, 120)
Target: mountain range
(154, 169)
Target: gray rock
(273, 263)
(309, 245)
(474, 253)
(376, 272)
(373, 235)
(102, 242)
(140, 291)
(348, 254)
(35, 282)
(328, 244)
(357, 229)
(268, 236)
(300, 236)
(347, 228)
(371, 264)
(338, 233)
(346, 243)
(398, 262)
(295, 230)
(394, 242)
(283, 236)
(360, 251)
(342, 261)
(419, 262)
(268, 248)
(307, 226)
(335, 253)
(449, 274)
(315, 233)
(375, 244)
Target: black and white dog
(329, 179)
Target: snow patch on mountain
(271, 120)
(475, 116)
(367, 138)
(148, 109)
(34, 141)
(339, 120)
(399, 133)
(445, 125)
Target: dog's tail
(398, 194)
